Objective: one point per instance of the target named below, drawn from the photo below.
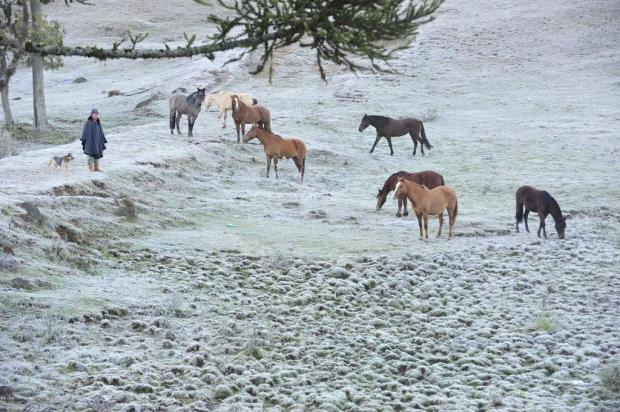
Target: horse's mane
(378, 120)
(389, 182)
(554, 207)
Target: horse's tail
(267, 124)
(456, 210)
(519, 214)
(424, 139)
(442, 181)
(172, 118)
(301, 156)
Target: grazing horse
(223, 100)
(277, 148)
(427, 178)
(544, 204)
(388, 128)
(242, 114)
(425, 202)
(189, 105)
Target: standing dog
(62, 162)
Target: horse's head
(234, 102)
(560, 227)
(251, 134)
(381, 198)
(364, 123)
(401, 188)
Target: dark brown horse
(427, 178)
(541, 202)
(388, 128)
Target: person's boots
(91, 167)
(96, 169)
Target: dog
(62, 162)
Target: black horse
(543, 203)
(388, 128)
(189, 105)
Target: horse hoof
(398, 215)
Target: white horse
(223, 100)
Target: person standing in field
(93, 140)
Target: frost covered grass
(182, 279)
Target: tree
(50, 33)
(338, 31)
(40, 122)
(13, 29)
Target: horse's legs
(425, 226)
(178, 122)
(415, 142)
(542, 217)
(389, 139)
(422, 147)
(440, 218)
(190, 124)
(419, 216)
(525, 214)
(223, 112)
(376, 141)
(238, 126)
(242, 130)
(268, 164)
(405, 212)
(275, 165)
(400, 204)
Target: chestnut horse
(544, 204)
(242, 114)
(388, 128)
(277, 148)
(425, 202)
(427, 178)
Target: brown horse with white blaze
(427, 178)
(276, 147)
(427, 202)
(244, 114)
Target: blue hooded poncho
(93, 139)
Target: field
(181, 278)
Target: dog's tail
(425, 140)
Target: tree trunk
(38, 94)
(8, 116)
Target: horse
(388, 128)
(242, 114)
(189, 105)
(425, 202)
(277, 148)
(223, 100)
(427, 178)
(534, 200)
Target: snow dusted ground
(232, 291)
